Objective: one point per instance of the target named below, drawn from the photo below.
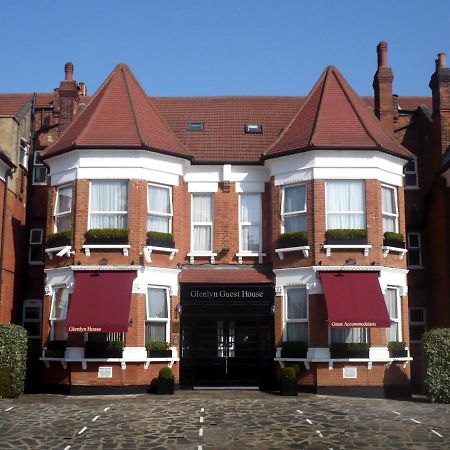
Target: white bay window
(109, 204)
(63, 209)
(293, 210)
(250, 222)
(157, 321)
(392, 299)
(202, 222)
(159, 206)
(296, 315)
(345, 204)
(389, 208)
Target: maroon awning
(100, 302)
(354, 299)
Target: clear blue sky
(208, 47)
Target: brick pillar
(382, 86)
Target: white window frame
(57, 214)
(24, 151)
(397, 320)
(419, 248)
(38, 165)
(293, 213)
(363, 212)
(149, 319)
(32, 303)
(412, 172)
(32, 243)
(415, 323)
(51, 318)
(159, 213)
(125, 213)
(285, 311)
(194, 224)
(367, 341)
(390, 215)
(243, 224)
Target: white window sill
(87, 248)
(193, 255)
(65, 250)
(401, 251)
(364, 247)
(281, 251)
(149, 249)
(242, 255)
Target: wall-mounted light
(273, 309)
(147, 255)
(178, 310)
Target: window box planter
(55, 349)
(108, 349)
(294, 349)
(397, 349)
(392, 239)
(106, 236)
(157, 239)
(353, 350)
(293, 239)
(61, 239)
(288, 383)
(346, 237)
(158, 349)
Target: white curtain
(250, 216)
(389, 207)
(202, 222)
(390, 297)
(64, 199)
(348, 335)
(155, 331)
(156, 303)
(109, 196)
(296, 303)
(159, 202)
(60, 304)
(345, 204)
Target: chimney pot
(441, 62)
(68, 70)
(83, 89)
(382, 54)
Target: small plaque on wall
(105, 372)
(350, 372)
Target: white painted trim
(194, 186)
(249, 187)
(3, 170)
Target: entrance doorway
(226, 341)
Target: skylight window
(195, 126)
(253, 128)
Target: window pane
(294, 199)
(108, 221)
(410, 179)
(413, 240)
(296, 304)
(348, 335)
(32, 312)
(250, 207)
(39, 174)
(36, 236)
(37, 158)
(416, 332)
(60, 303)
(158, 223)
(155, 331)
(63, 223)
(417, 315)
(159, 199)
(64, 202)
(59, 331)
(202, 238)
(36, 253)
(392, 332)
(33, 328)
(410, 166)
(388, 200)
(202, 208)
(157, 303)
(250, 238)
(109, 195)
(295, 223)
(297, 332)
(390, 297)
(413, 257)
(389, 224)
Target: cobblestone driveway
(237, 420)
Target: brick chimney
(382, 86)
(440, 91)
(66, 99)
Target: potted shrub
(106, 349)
(113, 236)
(391, 239)
(349, 350)
(346, 236)
(55, 349)
(294, 349)
(164, 384)
(293, 239)
(397, 349)
(158, 239)
(60, 239)
(158, 349)
(288, 382)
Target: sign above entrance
(213, 293)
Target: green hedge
(157, 345)
(292, 238)
(13, 359)
(106, 233)
(391, 235)
(61, 236)
(396, 345)
(436, 351)
(159, 236)
(346, 233)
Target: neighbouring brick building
(247, 233)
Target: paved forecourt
(220, 420)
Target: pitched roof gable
(120, 115)
(334, 117)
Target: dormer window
(195, 126)
(253, 128)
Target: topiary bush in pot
(288, 382)
(164, 384)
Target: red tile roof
(120, 115)
(12, 104)
(412, 103)
(222, 275)
(334, 117)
